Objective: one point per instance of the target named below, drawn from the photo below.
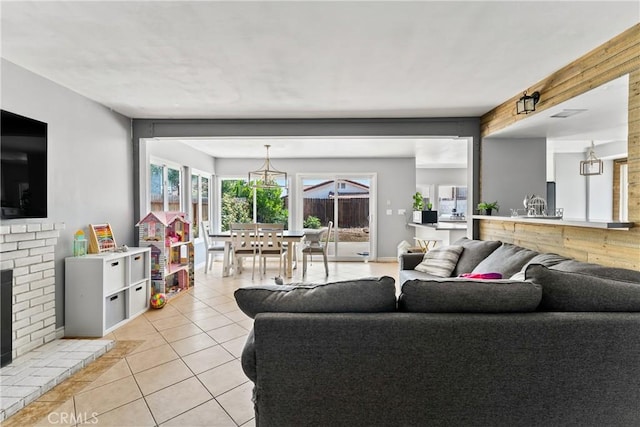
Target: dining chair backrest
(204, 232)
(244, 244)
(271, 235)
(210, 246)
(328, 235)
(318, 249)
(244, 237)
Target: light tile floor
(179, 365)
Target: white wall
(511, 169)
(180, 153)
(396, 181)
(571, 187)
(600, 194)
(90, 161)
(585, 198)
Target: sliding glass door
(347, 202)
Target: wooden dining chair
(211, 248)
(244, 244)
(317, 249)
(272, 245)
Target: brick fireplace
(28, 251)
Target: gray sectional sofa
(555, 343)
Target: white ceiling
(602, 119)
(312, 59)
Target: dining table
(291, 237)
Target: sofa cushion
(367, 295)
(573, 266)
(457, 295)
(474, 252)
(508, 259)
(440, 261)
(405, 275)
(578, 291)
(548, 260)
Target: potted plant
(418, 201)
(488, 207)
(312, 222)
(421, 216)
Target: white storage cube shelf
(104, 291)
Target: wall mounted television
(23, 173)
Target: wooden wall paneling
(617, 57)
(538, 234)
(633, 158)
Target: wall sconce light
(527, 104)
(593, 165)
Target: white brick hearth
(29, 250)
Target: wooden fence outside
(352, 213)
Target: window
(199, 199)
(237, 204)
(157, 188)
(165, 192)
(452, 199)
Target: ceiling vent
(567, 113)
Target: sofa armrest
(409, 261)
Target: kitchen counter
(445, 232)
(611, 225)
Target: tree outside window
(164, 191)
(237, 204)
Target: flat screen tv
(23, 173)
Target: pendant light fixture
(267, 176)
(593, 165)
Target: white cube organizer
(104, 291)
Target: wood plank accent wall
(615, 58)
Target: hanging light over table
(593, 165)
(267, 176)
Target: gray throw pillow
(572, 291)
(440, 261)
(457, 295)
(367, 295)
(474, 252)
(548, 260)
(508, 259)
